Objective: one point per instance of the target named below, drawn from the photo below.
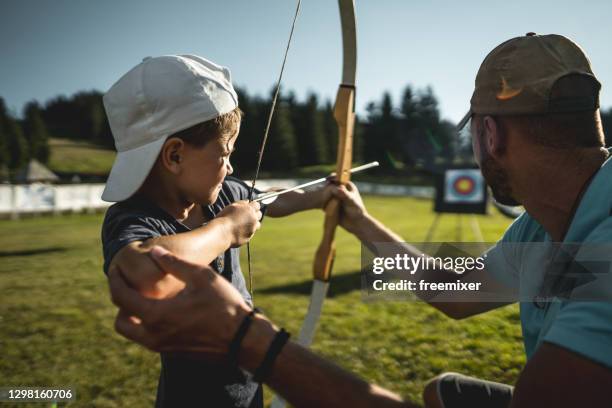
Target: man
(536, 134)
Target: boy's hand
(353, 209)
(325, 194)
(243, 220)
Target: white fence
(46, 198)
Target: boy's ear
(171, 154)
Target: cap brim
(464, 121)
(130, 170)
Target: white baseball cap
(158, 98)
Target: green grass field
(56, 318)
(71, 156)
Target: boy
(175, 120)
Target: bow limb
(344, 114)
(345, 117)
(326, 252)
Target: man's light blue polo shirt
(584, 327)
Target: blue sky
(53, 47)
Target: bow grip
(326, 252)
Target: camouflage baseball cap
(534, 74)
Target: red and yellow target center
(464, 185)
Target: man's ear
(494, 136)
(171, 155)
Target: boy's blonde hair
(222, 127)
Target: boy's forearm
(143, 274)
(306, 380)
(201, 245)
(295, 201)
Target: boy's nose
(230, 169)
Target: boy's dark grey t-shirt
(185, 381)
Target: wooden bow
(345, 117)
(344, 113)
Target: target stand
(460, 190)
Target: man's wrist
(256, 343)
(361, 225)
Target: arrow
(268, 198)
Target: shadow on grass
(28, 252)
(339, 285)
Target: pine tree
(380, 133)
(437, 136)
(330, 129)
(98, 122)
(244, 158)
(387, 133)
(309, 131)
(4, 153)
(281, 148)
(409, 127)
(36, 133)
(320, 150)
(17, 144)
(358, 143)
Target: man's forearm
(368, 230)
(371, 232)
(306, 380)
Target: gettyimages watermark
(487, 272)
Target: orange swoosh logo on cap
(507, 92)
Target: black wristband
(274, 350)
(234, 346)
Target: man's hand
(243, 220)
(353, 210)
(202, 318)
(142, 273)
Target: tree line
(21, 140)
(302, 133)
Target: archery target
(463, 186)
